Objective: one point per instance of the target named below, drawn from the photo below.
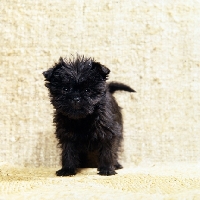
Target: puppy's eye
(65, 90)
(87, 90)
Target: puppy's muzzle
(77, 99)
(76, 102)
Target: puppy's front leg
(106, 159)
(69, 160)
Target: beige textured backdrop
(152, 45)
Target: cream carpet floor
(180, 181)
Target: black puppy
(87, 117)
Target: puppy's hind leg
(118, 165)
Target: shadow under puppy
(87, 117)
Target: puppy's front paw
(66, 172)
(104, 171)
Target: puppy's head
(76, 86)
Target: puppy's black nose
(77, 99)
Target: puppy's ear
(104, 71)
(47, 74)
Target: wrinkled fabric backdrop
(153, 46)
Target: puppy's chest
(86, 137)
(81, 129)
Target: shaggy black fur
(87, 118)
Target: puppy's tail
(114, 86)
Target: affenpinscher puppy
(87, 117)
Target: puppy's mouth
(75, 109)
(77, 113)
(76, 106)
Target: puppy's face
(77, 86)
